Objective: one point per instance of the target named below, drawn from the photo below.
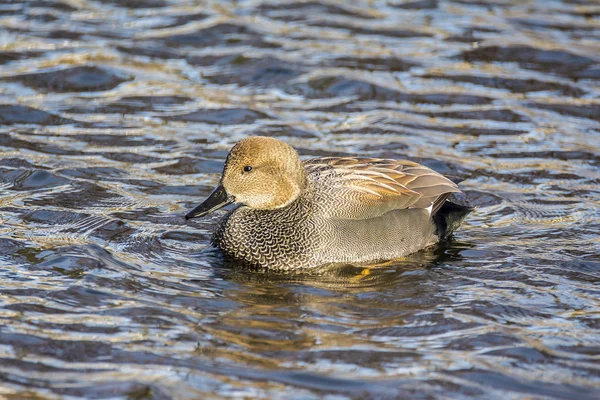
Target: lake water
(116, 117)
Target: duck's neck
(290, 189)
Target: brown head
(260, 172)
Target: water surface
(116, 117)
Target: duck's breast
(283, 239)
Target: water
(117, 115)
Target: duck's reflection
(296, 314)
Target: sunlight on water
(116, 117)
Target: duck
(295, 215)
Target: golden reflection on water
(116, 116)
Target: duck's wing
(360, 188)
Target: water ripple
(116, 117)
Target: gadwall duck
(296, 215)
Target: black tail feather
(449, 218)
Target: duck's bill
(217, 199)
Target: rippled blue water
(116, 117)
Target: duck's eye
(247, 168)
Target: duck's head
(260, 172)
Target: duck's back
(362, 188)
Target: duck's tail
(449, 217)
